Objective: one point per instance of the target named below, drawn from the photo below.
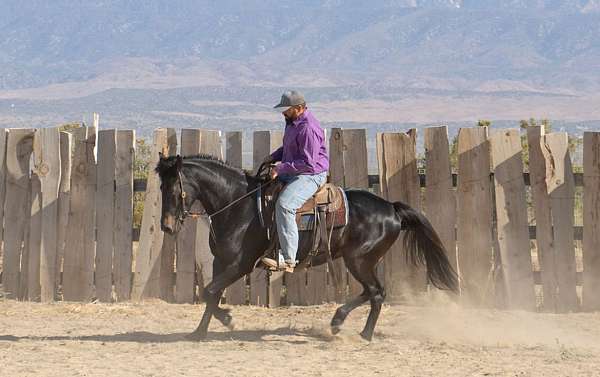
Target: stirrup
(285, 267)
(273, 265)
(269, 262)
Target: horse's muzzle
(168, 224)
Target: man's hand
(273, 173)
(268, 159)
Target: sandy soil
(440, 339)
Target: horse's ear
(179, 162)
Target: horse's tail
(423, 245)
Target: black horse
(238, 240)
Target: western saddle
(325, 210)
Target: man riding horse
(303, 169)
(238, 239)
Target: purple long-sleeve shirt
(303, 150)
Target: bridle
(186, 213)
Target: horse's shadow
(283, 334)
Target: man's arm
(277, 155)
(308, 147)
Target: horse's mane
(165, 165)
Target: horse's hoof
(196, 336)
(337, 322)
(366, 336)
(230, 326)
(335, 329)
(227, 321)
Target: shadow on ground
(283, 334)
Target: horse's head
(173, 200)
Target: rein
(195, 215)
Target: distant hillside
(530, 45)
(381, 64)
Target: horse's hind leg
(376, 297)
(363, 269)
(342, 312)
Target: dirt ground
(433, 339)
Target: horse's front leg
(223, 315)
(202, 329)
(219, 313)
(212, 295)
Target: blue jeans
(297, 191)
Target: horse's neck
(213, 185)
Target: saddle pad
(337, 218)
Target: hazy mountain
(537, 43)
(368, 62)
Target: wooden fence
(68, 217)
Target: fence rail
(68, 218)
(139, 184)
